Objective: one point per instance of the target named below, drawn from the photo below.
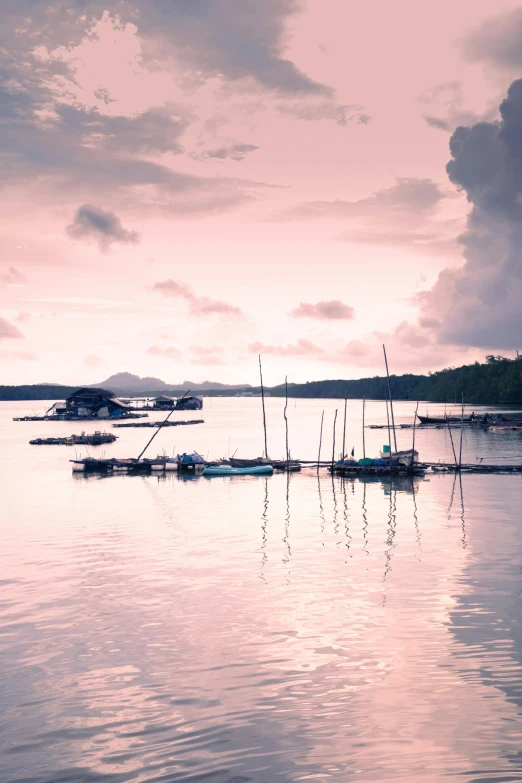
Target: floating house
(189, 404)
(163, 403)
(91, 404)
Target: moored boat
(228, 470)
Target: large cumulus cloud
(480, 303)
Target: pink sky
(187, 185)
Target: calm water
(251, 629)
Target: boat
(228, 470)
(190, 462)
(443, 419)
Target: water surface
(258, 629)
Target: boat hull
(224, 470)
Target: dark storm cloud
(497, 40)
(93, 223)
(334, 310)
(480, 304)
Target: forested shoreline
(497, 381)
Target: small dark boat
(443, 419)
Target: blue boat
(226, 470)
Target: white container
(157, 467)
(78, 468)
(171, 466)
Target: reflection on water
(292, 627)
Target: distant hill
(127, 383)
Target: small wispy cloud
(300, 348)
(199, 305)
(333, 310)
(168, 352)
(13, 277)
(8, 331)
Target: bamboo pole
(452, 445)
(344, 428)
(413, 441)
(160, 426)
(389, 430)
(461, 430)
(286, 418)
(364, 442)
(333, 442)
(263, 404)
(320, 440)
(390, 396)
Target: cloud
(405, 213)
(447, 99)
(407, 197)
(93, 223)
(235, 152)
(211, 355)
(497, 40)
(156, 130)
(8, 331)
(92, 361)
(199, 305)
(25, 356)
(326, 110)
(13, 277)
(301, 348)
(224, 40)
(480, 303)
(334, 310)
(167, 353)
(227, 39)
(69, 151)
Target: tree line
(497, 381)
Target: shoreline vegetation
(497, 381)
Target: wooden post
(320, 441)
(364, 442)
(390, 396)
(413, 443)
(263, 404)
(519, 370)
(461, 428)
(344, 428)
(286, 418)
(333, 444)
